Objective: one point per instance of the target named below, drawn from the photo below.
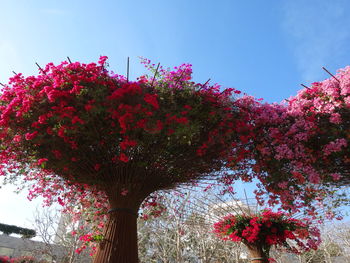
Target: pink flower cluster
(298, 148)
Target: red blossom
(78, 117)
(123, 158)
(266, 229)
(97, 167)
(30, 136)
(127, 143)
(42, 160)
(152, 100)
(60, 201)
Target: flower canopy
(87, 126)
(78, 130)
(300, 150)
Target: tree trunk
(120, 233)
(257, 255)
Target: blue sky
(264, 48)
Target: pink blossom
(124, 192)
(336, 176)
(31, 136)
(335, 118)
(42, 160)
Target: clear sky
(264, 48)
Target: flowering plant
(77, 130)
(300, 150)
(23, 259)
(4, 259)
(61, 121)
(262, 231)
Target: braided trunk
(257, 254)
(120, 234)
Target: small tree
(267, 229)
(11, 229)
(123, 140)
(182, 233)
(57, 232)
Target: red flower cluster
(75, 128)
(23, 259)
(268, 229)
(152, 207)
(76, 108)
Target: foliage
(11, 229)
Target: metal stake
(330, 74)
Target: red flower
(152, 100)
(42, 160)
(159, 125)
(234, 237)
(274, 230)
(60, 201)
(289, 234)
(182, 120)
(97, 166)
(263, 230)
(202, 150)
(49, 131)
(61, 131)
(123, 158)
(170, 132)
(77, 119)
(271, 239)
(126, 143)
(141, 123)
(57, 154)
(30, 136)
